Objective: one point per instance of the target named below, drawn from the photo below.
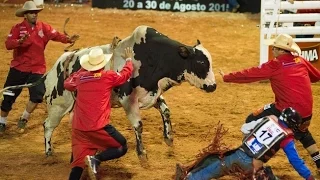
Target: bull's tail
(24, 85)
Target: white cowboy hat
(27, 6)
(285, 41)
(95, 60)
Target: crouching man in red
(91, 130)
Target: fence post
(273, 22)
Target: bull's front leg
(131, 107)
(162, 107)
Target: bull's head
(198, 71)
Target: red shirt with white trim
(290, 78)
(29, 56)
(93, 106)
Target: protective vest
(265, 139)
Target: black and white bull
(159, 64)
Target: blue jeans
(213, 167)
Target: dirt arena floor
(232, 39)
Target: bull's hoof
(144, 159)
(21, 131)
(49, 153)
(168, 141)
(170, 152)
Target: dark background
(252, 6)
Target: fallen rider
(263, 138)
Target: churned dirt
(233, 41)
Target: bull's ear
(183, 51)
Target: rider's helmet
(291, 118)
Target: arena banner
(165, 5)
(309, 50)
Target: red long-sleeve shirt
(290, 78)
(29, 56)
(93, 106)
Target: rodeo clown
(263, 138)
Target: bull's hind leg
(55, 114)
(162, 107)
(131, 108)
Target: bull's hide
(159, 64)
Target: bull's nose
(210, 88)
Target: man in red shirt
(28, 40)
(291, 77)
(91, 130)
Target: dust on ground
(233, 41)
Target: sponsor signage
(309, 50)
(165, 5)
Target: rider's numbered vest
(265, 139)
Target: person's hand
(73, 38)
(128, 53)
(23, 38)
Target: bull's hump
(158, 58)
(139, 34)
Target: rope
(278, 12)
(112, 62)
(65, 32)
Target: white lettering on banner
(140, 5)
(164, 5)
(128, 3)
(310, 55)
(189, 7)
(218, 7)
(173, 5)
(151, 4)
